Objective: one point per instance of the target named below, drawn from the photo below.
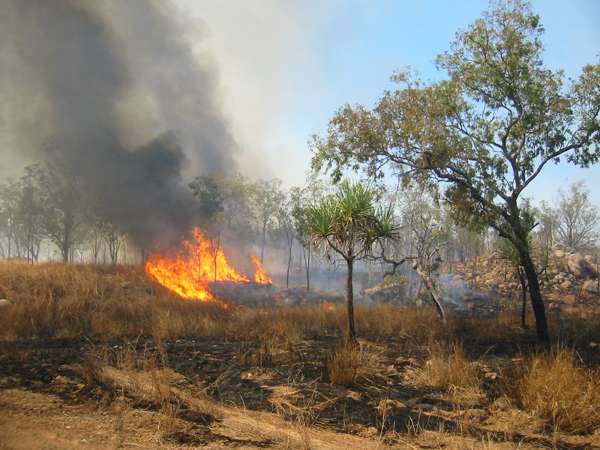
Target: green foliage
(350, 222)
(209, 195)
(486, 132)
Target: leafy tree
(267, 200)
(23, 211)
(285, 226)
(577, 218)
(302, 198)
(485, 133)
(210, 197)
(545, 233)
(63, 216)
(349, 223)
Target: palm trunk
(350, 301)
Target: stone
(4, 302)
(565, 285)
(353, 395)
(590, 286)
(388, 406)
(578, 266)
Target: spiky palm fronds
(350, 222)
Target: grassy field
(101, 357)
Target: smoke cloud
(110, 92)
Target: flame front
(190, 272)
(260, 276)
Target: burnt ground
(59, 386)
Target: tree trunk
(306, 254)
(430, 287)
(64, 249)
(264, 241)
(537, 303)
(350, 301)
(523, 297)
(289, 263)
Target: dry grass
(351, 363)
(108, 304)
(557, 389)
(449, 368)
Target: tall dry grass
(448, 367)
(556, 388)
(115, 302)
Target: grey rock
(590, 286)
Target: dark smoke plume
(111, 93)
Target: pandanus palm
(350, 223)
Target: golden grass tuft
(351, 363)
(554, 387)
(449, 368)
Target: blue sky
(287, 66)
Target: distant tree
(22, 209)
(545, 233)
(577, 218)
(238, 215)
(302, 198)
(349, 223)
(486, 132)
(63, 216)
(285, 226)
(210, 198)
(267, 198)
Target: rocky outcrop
(576, 264)
(569, 277)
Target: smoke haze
(111, 93)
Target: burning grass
(190, 272)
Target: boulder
(590, 286)
(4, 302)
(578, 266)
(565, 285)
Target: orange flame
(191, 271)
(260, 276)
(328, 306)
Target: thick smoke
(111, 93)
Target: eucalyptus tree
(64, 217)
(577, 218)
(349, 223)
(286, 229)
(484, 133)
(302, 198)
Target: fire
(328, 306)
(191, 271)
(260, 276)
